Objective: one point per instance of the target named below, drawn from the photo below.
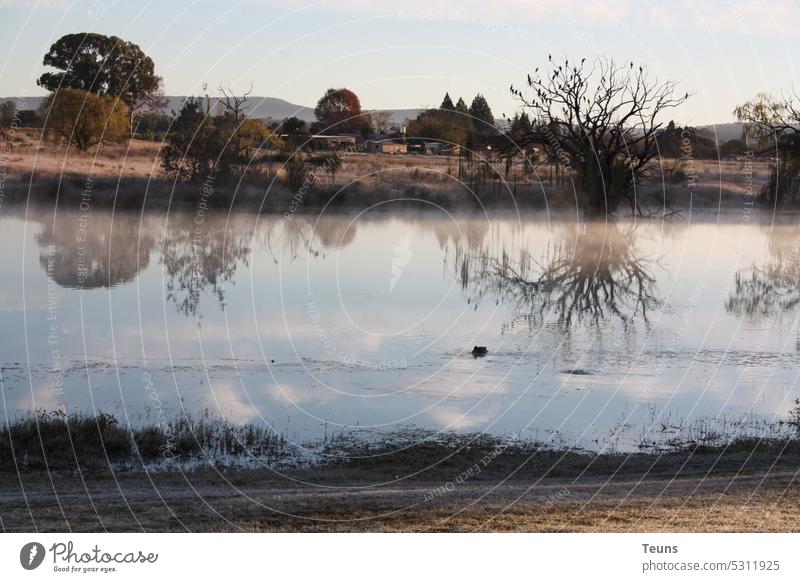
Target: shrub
(84, 119)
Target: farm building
(332, 142)
(386, 146)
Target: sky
(408, 53)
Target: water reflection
(774, 286)
(201, 257)
(91, 251)
(590, 271)
(462, 280)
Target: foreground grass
(260, 501)
(399, 482)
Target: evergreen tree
(447, 103)
(481, 113)
(461, 107)
(525, 122)
(521, 124)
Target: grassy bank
(103, 475)
(129, 175)
(54, 441)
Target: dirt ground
(262, 501)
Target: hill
(258, 107)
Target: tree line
(603, 122)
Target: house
(331, 142)
(386, 146)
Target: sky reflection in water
(601, 335)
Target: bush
(84, 119)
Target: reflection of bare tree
(91, 251)
(595, 271)
(773, 287)
(202, 258)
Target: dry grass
(129, 170)
(403, 482)
(206, 501)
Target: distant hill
(723, 131)
(259, 107)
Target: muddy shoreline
(745, 486)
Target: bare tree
(233, 103)
(382, 120)
(601, 121)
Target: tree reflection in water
(774, 287)
(100, 251)
(595, 270)
(202, 257)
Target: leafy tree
(29, 118)
(84, 119)
(439, 125)
(192, 146)
(775, 125)
(104, 65)
(8, 112)
(519, 127)
(733, 147)
(447, 103)
(681, 142)
(152, 125)
(199, 146)
(339, 110)
(296, 131)
(253, 134)
(481, 113)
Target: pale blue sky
(407, 54)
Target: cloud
(42, 4)
(744, 16)
(507, 16)
(502, 15)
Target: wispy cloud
(44, 4)
(744, 16)
(756, 16)
(498, 13)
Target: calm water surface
(600, 335)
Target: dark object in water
(479, 351)
(577, 372)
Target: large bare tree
(601, 121)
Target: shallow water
(600, 335)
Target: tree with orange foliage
(339, 111)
